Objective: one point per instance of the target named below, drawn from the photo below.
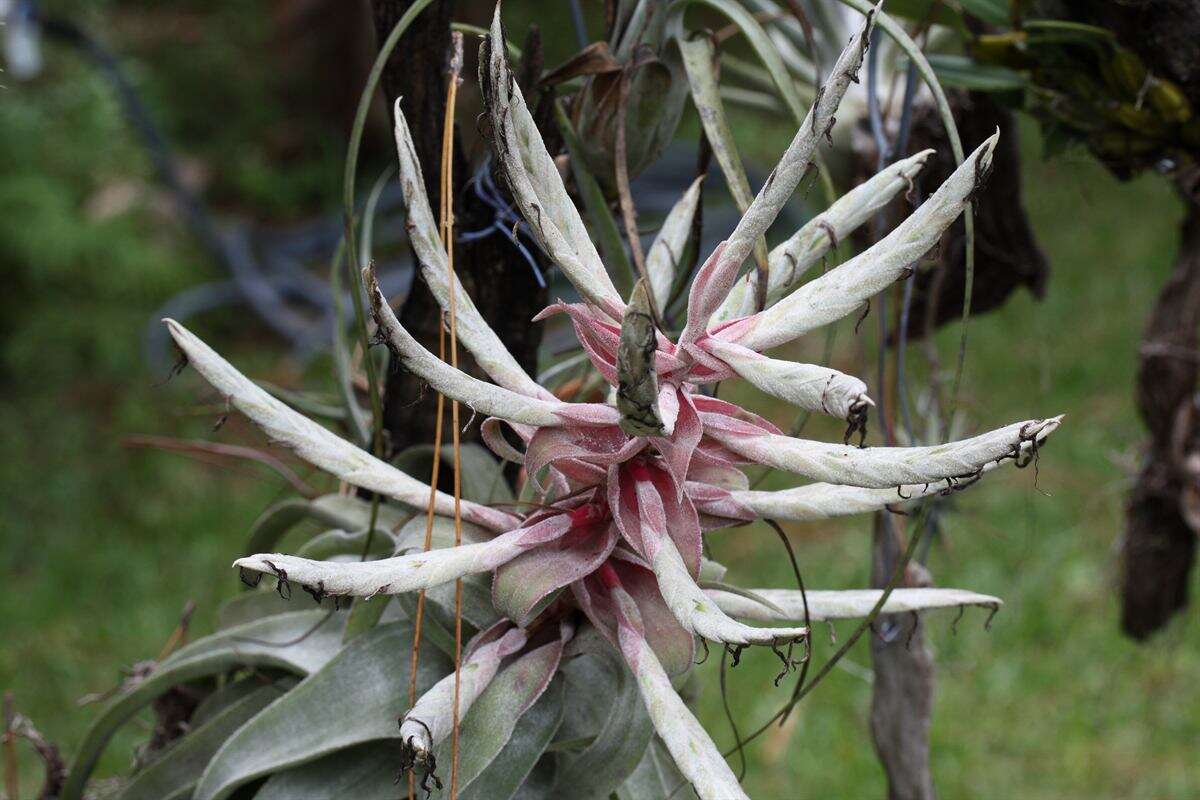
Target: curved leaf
(252, 606)
(759, 41)
(604, 701)
(508, 771)
(716, 278)
(254, 644)
(365, 771)
(315, 444)
(357, 697)
(666, 252)
(881, 467)
(406, 573)
(472, 330)
(488, 727)
(597, 208)
(482, 474)
(789, 604)
(332, 510)
(334, 543)
(699, 57)
(656, 777)
(232, 691)
(173, 775)
(533, 177)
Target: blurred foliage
(1084, 86)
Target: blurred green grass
(105, 545)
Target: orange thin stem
(455, 431)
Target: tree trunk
(1163, 512)
(1007, 255)
(493, 272)
(1162, 518)
(902, 694)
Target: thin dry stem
(433, 483)
(456, 430)
(199, 447)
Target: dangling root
(856, 421)
(785, 656)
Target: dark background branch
(492, 271)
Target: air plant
(599, 590)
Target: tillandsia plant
(599, 591)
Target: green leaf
(509, 770)
(539, 784)
(994, 12)
(935, 11)
(231, 692)
(699, 55)
(491, 722)
(482, 475)
(252, 606)
(477, 606)
(368, 771)
(433, 630)
(759, 41)
(333, 510)
(360, 423)
(656, 776)
(336, 542)
(258, 644)
(274, 523)
(411, 536)
(365, 614)
(357, 697)
(172, 776)
(602, 699)
(962, 71)
(364, 772)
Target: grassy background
(103, 545)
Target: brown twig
(178, 637)
(456, 61)
(200, 447)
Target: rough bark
(1163, 512)
(902, 693)
(1159, 546)
(492, 271)
(1007, 255)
